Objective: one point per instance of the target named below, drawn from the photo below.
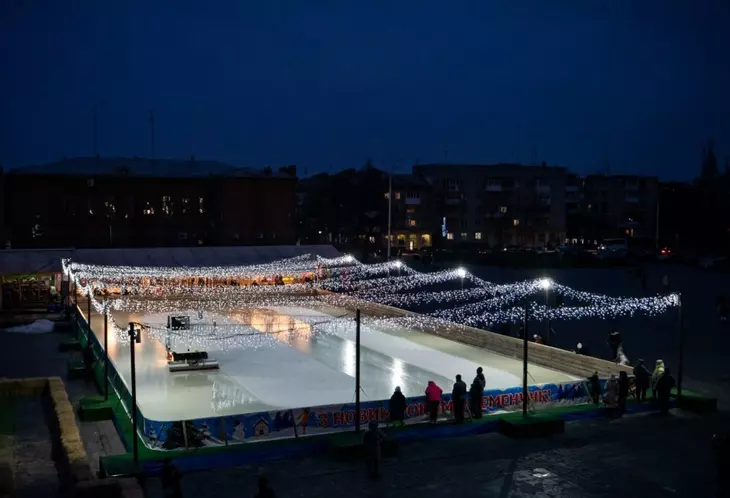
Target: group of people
(397, 405)
(617, 390)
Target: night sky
(637, 86)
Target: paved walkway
(643, 455)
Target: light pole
(357, 370)
(525, 392)
(545, 284)
(88, 320)
(398, 264)
(680, 367)
(106, 350)
(135, 337)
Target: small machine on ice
(190, 360)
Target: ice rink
(302, 359)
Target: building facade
(497, 205)
(612, 206)
(123, 202)
(411, 213)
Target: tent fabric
(29, 261)
(49, 261)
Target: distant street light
(398, 264)
(461, 273)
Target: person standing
(458, 394)
(614, 341)
(476, 392)
(264, 490)
(594, 386)
(664, 387)
(372, 441)
(171, 480)
(656, 375)
(433, 398)
(397, 408)
(642, 380)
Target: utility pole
(152, 133)
(134, 337)
(525, 392)
(106, 350)
(390, 209)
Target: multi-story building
(609, 206)
(500, 204)
(411, 212)
(122, 202)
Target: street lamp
(106, 350)
(135, 337)
(349, 258)
(398, 264)
(546, 283)
(461, 273)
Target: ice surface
(301, 369)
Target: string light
(352, 282)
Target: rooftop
(143, 167)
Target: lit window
(464, 235)
(167, 204)
(148, 209)
(387, 195)
(503, 209)
(201, 206)
(371, 239)
(477, 235)
(185, 203)
(411, 223)
(449, 236)
(516, 222)
(397, 196)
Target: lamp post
(357, 370)
(525, 393)
(545, 284)
(135, 337)
(106, 350)
(88, 320)
(680, 367)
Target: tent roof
(26, 261)
(49, 260)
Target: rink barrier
(512, 347)
(218, 432)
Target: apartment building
(499, 204)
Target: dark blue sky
(637, 85)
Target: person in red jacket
(433, 400)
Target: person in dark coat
(664, 387)
(594, 387)
(397, 408)
(458, 396)
(372, 441)
(642, 380)
(614, 341)
(623, 390)
(171, 480)
(264, 490)
(476, 392)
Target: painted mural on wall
(236, 429)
